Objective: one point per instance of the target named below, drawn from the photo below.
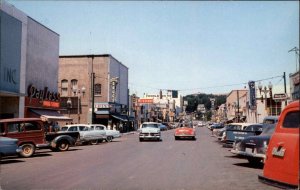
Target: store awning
(50, 115)
(120, 117)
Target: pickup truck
(281, 167)
(87, 135)
(110, 134)
(32, 135)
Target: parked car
(163, 127)
(222, 134)
(86, 134)
(32, 135)
(110, 134)
(8, 146)
(282, 158)
(185, 131)
(251, 130)
(216, 126)
(150, 131)
(254, 148)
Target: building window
(97, 89)
(64, 87)
(74, 85)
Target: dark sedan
(254, 148)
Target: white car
(110, 134)
(87, 135)
(150, 131)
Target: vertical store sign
(252, 95)
(10, 53)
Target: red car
(282, 161)
(185, 131)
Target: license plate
(249, 150)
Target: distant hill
(195, 99)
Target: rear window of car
(150, 125)
(291, 120)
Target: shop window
(97, 89)
(64, 87)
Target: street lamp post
(78, 93)
(265, 91)
(69, 105)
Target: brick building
(110, 88)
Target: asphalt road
(127, 164)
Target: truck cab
(282, 158)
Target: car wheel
(109, 138)
(63, 145)
(27, 150)
(254, 161)
(176, 138)
(141, 139)
(94, 142)
(193, 138)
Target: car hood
(150, 130)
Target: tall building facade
(81, 76)
(28, 66)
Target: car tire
(94, 142)
(176, 138)
(63, 145)
(27, 150)
(141, 140)
(109, 138)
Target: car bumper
(249, 154)
(149, 136)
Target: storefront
(113, 116)
(44, 104)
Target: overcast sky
(188, 46)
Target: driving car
(9, 147)
(253, 148)
(150, 131)
(185, 131)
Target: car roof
(150, 123)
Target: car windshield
(152, 125)
(64, 128)
(268, 129)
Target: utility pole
(93, 96)
(284, 80)
(238, 106)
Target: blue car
(8, 147)
(163, 127)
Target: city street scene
(151, 95)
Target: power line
(203, 88)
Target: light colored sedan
(87, 135)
